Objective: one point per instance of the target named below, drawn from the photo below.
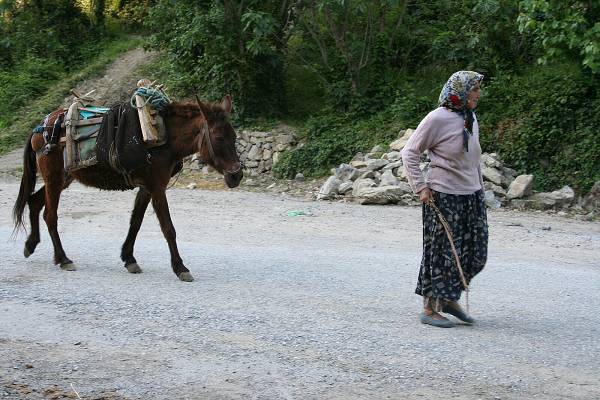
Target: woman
(450, 135)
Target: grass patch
(16, 126)
(333, 139)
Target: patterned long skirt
(439, 278)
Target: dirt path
(119, 79)
(309, 307)
(113, 86)
(319, 306)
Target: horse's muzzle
(233, 179)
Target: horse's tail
(27, 184)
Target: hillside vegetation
(352, 73)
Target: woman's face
(473, 97)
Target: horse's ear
(226, 104)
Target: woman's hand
(425, 195)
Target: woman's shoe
(458, 313)
(439, 323)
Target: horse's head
(216, 140)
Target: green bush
(45, 78)
(26, 81)
(334, 139)
(545, 122)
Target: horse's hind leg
(53, 190)
(36, 203)
(142, 199)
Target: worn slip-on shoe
(439, 323)
(460, 314)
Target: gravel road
(305, 307)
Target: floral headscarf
(454, 96)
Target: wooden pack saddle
(82, 124)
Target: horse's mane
(191, 109)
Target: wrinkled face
(218, 134)
(473, 97)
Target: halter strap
(206, 134)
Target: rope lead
(154, 97)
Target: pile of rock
(260, 150)
(373, 178)
(378, 177)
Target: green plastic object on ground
(296, 213)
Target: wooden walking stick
(446, 226)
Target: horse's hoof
(26, 252)
(68, 267)
(186, 277)
(133, 268)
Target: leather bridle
(205, 135)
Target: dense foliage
(352, 73)
(546, 122)
(42, 42)
(218, 47)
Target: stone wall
(260, 150)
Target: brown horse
(201, 128)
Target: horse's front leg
(161, 207)
(137, 216)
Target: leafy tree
(229, 46)
(564, 28)
(50, 29)
(347, 43)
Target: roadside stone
(520, 187)
(329, 188)
(388, 179)
(377, 149)
(345, 187)
(399, 144)
(592, 200)
(392, 165)
(491, 174)
(358, 164)
(498, 190)
(545, 201)
(507, 180)
(380, 195)
(490, 200)
(509, 172)
(563, 196)
(393, 156)
(375, 165)
(368, 175)
(490, 161)
(345, 172)
(376, 152)
(361, 184)
(300, 177)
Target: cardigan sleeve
(422, 139)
